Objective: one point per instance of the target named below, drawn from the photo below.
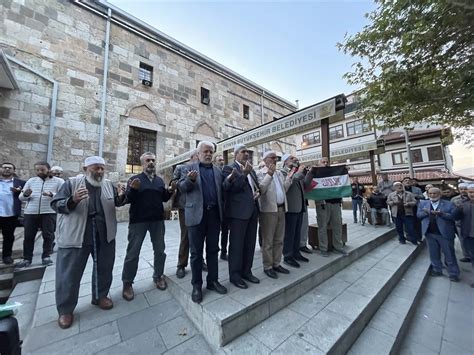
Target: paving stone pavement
(444, 319)
(155, 323)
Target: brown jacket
(408, 199)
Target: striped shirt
(37, 203)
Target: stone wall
(66, 43)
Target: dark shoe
(47, 261)
(104, 303)
(454, 278)
(301, 258)
(196, 295)
(180, 272)
(402, 241)
(271, 273)
(342, 252)
(23, 263)
(204, 266)
(8, 260)
(306, 250)
(251, 278)
(161, 283)
(435, 273)
(224, 256)
(65, 321)
(281, 269)
(414, 243)
(216, 286)
(240, 284)
(324, 253)
(291, 262)
(463, 260)
(127, 291)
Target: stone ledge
(222, 318)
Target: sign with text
(347, 152)
(294, 123)
(176, 160)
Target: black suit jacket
(239, 201)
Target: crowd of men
(217, 203)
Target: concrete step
(345, 317)
(329, 318)
(6, 280)
(222, 318)
(25, 293)
(386, 330)
(4, 295)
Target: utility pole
(408, 146)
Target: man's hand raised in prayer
(192, 175)
(80, 194)
(135, 184)
(247, 168)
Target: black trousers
(32, 222)
(291, 243)
(243, 235)
(208, 230)
(224, 236)
(8, 225)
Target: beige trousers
(272, 225)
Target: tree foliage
(415, 63)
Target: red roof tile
(433, 174)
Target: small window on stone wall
(246, 112)
(139, 141)
(145, 74)
(205, 96)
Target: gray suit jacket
(179, 198)
(193, 208)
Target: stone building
(159, 94)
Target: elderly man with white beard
(86, 226)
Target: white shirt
(279, 189)
(434, 205)
(6, 198)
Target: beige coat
(268, 197)
(408, 198)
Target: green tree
(415, 63)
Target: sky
(288, 47)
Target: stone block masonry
(66, 42)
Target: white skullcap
(56, 168)
(238, 148)
(94, 160)
(463, 184)
(285, 157)
(267, 153)
(397, 183)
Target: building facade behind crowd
(167, 116)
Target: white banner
(294, 123)
(341, 152)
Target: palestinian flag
(328, 183)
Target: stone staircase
(222, 318)
(362, 309)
